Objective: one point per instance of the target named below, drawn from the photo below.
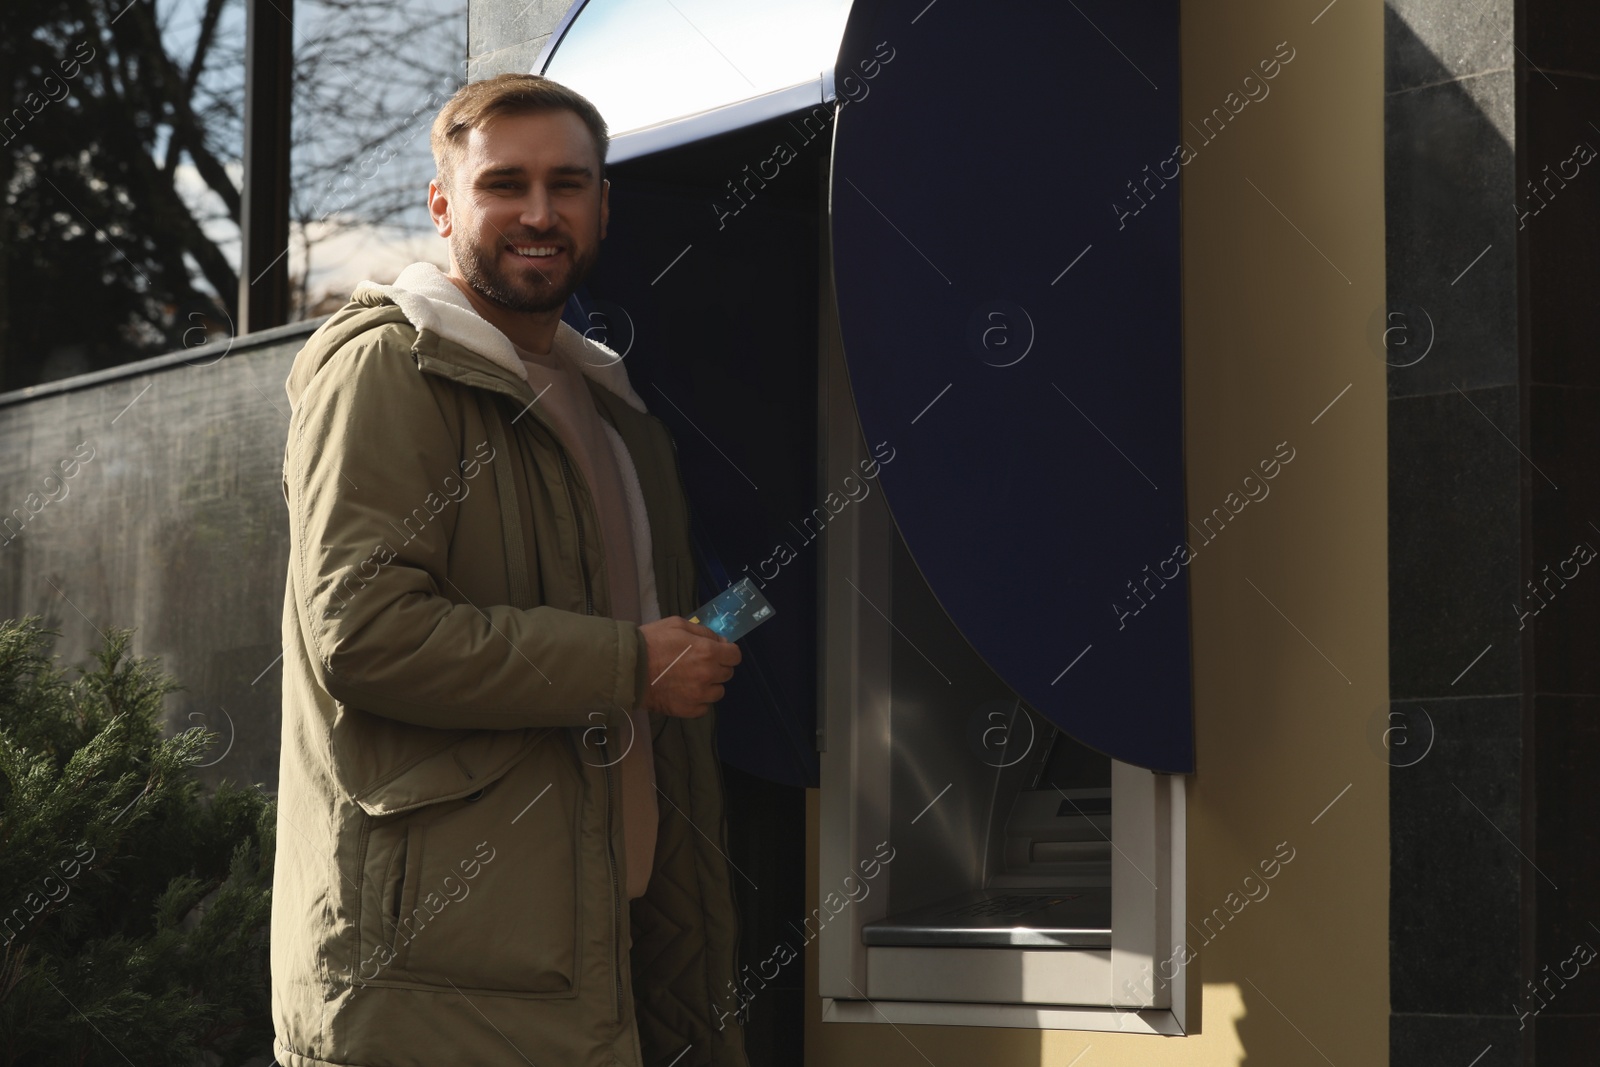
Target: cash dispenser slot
(1070, 918)
(1052, 885)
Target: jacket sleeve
(370, 446)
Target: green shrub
(134, 907)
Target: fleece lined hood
(432, 303)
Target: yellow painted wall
(1283, 268)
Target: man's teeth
(535, 250)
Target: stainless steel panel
(1073, 918)
(989, 975)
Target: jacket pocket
(390, 888)
(487, 894)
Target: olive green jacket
(449, 876)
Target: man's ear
(439, 208)
(605, 205)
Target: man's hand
(688, 664)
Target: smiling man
(488, 679)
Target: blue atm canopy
(1004, 211)
(1004, 208)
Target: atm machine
(902, 278)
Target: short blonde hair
(474, 104)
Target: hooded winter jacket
(450, 861)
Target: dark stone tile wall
(1568, 732)
(1562, 36)
(1566, 1039)
(1561, 131)
(1455, 818)
(1454, 531)
(1494, 442)
(1455, 536)
(1450, 239)
(1562, 224)
(1564, 442)
(1453, 1041)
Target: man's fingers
(701, 629)
(694, 686)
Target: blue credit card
(735, 611)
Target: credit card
(735, 611)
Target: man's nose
(538, 210)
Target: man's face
(527, 210)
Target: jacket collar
(441, 312)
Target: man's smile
(544, 253)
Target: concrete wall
(175, 525)
(1284, 266)
(505, 37)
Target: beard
(480, 268)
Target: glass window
(119, 181)
(644, 62)
(121, 172)
(369, 77)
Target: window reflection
(369, 77)
(119, 181)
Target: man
(488, 681)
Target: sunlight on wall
(1218, 1045)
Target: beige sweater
(564, 399)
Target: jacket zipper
(572, 498)
(611, 854)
